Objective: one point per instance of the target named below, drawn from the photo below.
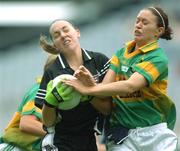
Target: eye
(66, 30)
(137, 21)
(55, 35)
(145, 22)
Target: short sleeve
(40, 96)
(152, 69)
(115, 62)
(30, 109)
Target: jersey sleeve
(30, 95)
(152, 68)
(102, 65)
(30, 109)
(40, 96)
(115, 62)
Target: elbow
(23, 126)
(106, 112)
(103, 106)
(135, 83)
(131, 88)
(108, 108)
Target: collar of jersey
(146, 48)
(85, 54)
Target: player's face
(146, 30)
(64, 35)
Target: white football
(67, 105)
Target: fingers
(85, 71)
(67, 82)
(82, 68)
(59, 84)
(76, 73)
(67, 91)
(81, 71)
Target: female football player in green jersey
(143, 116)
(24, 131)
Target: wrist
(91, 89)
(90, 97)
(49, 130)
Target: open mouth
(66, 42)
(137, 33)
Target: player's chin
(137, 39)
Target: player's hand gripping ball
(61, 95)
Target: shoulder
(98, 55)
(120, 52)
(53, 65)
(157, 55)
(29, 95)
(32, 91)
(51, 70)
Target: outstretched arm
(103, 105)
(134, 83)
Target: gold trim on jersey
(146, 48)
(115, 61)
(149, 68)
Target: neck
(74, 58)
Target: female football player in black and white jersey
(75, 131)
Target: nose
(138, 25)
(63, 34)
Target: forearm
(110, 89)
(123, 87)
(30, 124)
(49, 116)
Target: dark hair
(48, 46)
(162, 17)
(72, 23)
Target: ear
(56, 49)
(160, 31)
(78, 33)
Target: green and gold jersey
(12, 134)
(150, 105)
